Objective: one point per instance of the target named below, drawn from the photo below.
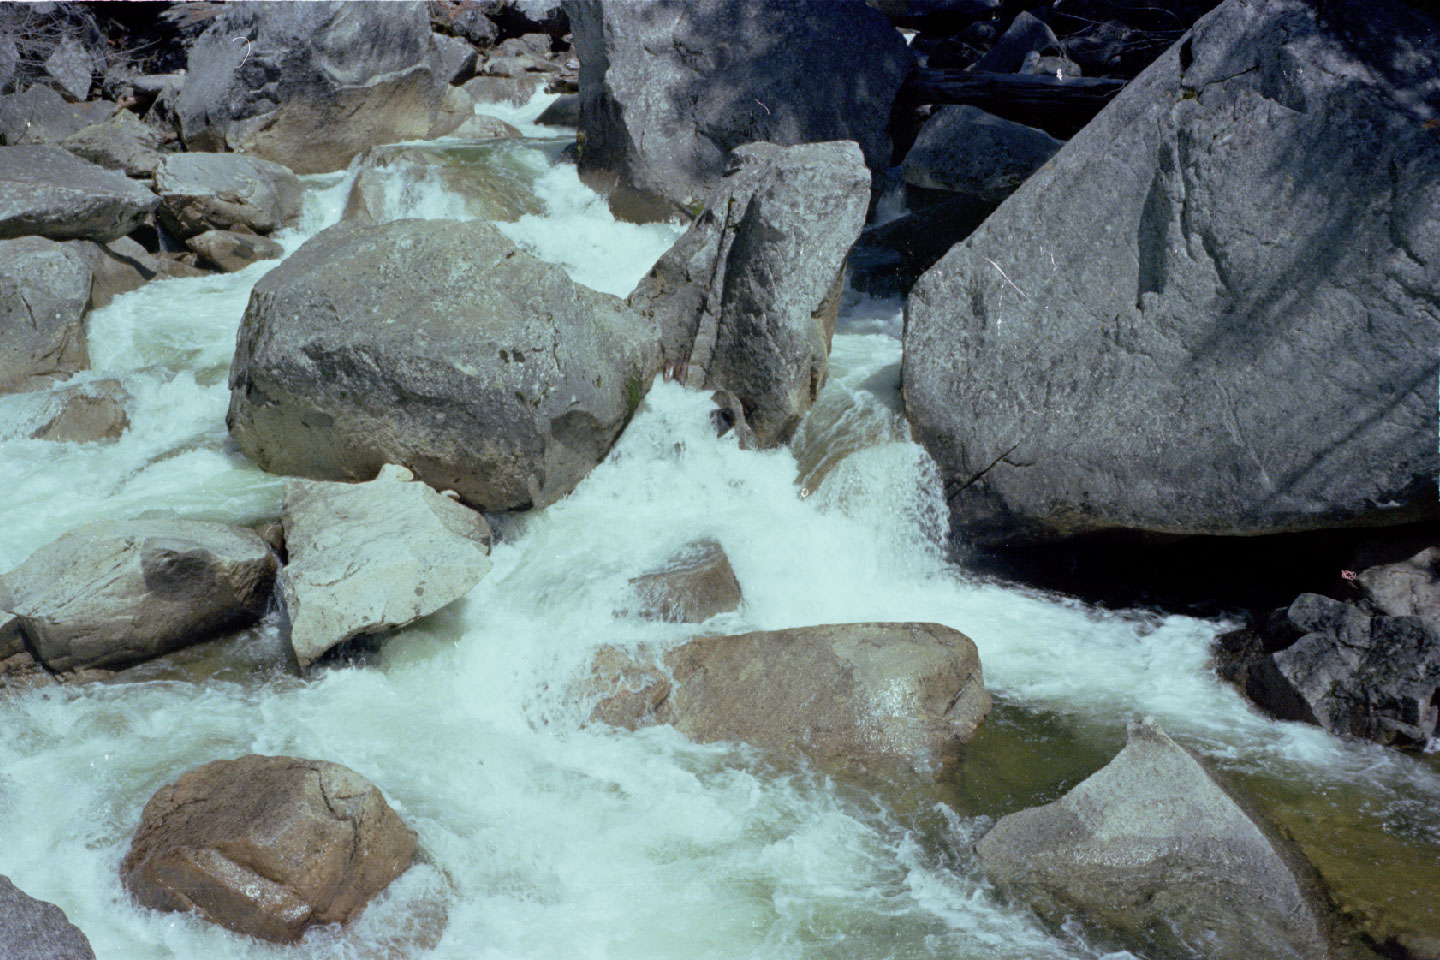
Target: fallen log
(1059, 107)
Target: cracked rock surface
(267, 846)
(1216, 310)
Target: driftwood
(1059, 107)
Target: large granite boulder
(115, 592)
(436, 344)
(32, 929)
(968, 151)
(851, 691)
(123, 143)
(316, 84)
(50, 192)
(370, 557)
(669, 88)
(40, 115)
(267, 846)
(691, 587)
(213, 191)
(1215, 310)
(747, 297)
(44, 290)
(1151, 853)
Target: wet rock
(482, 127)
(230, 251)
(44, 287)
(442, 346)
(1143, 337)
(32, 929)
(267, 846)
(452, 60)
(514, 91)
(213, 191)
(491, 187)
(320, 82)
(115, 592)
(564, 112)
(842, 691)
(123, 143)
(87, 413)
(747, 297)
(691, 587)
(968, 151)
(456, 108)
(371, 557)
(1150, 852)
(70, 67)
(41, 115)
(669, 89)
(49, 192)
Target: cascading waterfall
(542, 836)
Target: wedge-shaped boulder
(691, 587)
(1153, 854)
(116, 592)
(212, 191)
(1216, 309)
(369, 557)
(267, 846)
(851, 691)
(49, 192)
(747, 297)
(440, 345)
(44, 289)
(32, 929)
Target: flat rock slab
(369, 557)
(47, 191)
(1153, 854)
(911, 691)
(691, 587)
(32, 929)
(44, 291)
(267, 846)
(213, 191)
(41, 115)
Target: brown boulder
(691, 587)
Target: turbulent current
(544, 837)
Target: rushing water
(541, 836)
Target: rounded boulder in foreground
(267, 846)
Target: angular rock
(41, 115)
(747, 297)
(515, 91)
(1151, 852)
(669, 89)
(213, 191)
(691, 587)
(841, 691)
(230, 251)
(87, 413)
(70, 66)
(1410, 588)
(440, 345)
(456, 108)
(44, 287)
(1026, 34)
(9, 60)
(371, 557)
(49, 192)
(121, 143)
(115, 592)
(387, 177)
(968, 151)
(32, 929)
(320, 82)
(452, 60)
(1148, 334)
(267, 846)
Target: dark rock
(966, 150)
(669, 89)
(936, 16)
(41, 115)
(44, 287)
(9, 61)
(228, 251)
(267, 846)
(1152, 853)
(121, 143)
(439, 345)
(213, 191)
(889, 257)
(747, 297)
(86, 413)
(472, 24)
(1145, 336)
(452, 60)
(49, 192)
(1410, 588)
(691, 587)
(1026, 34)
(32, 929)
(71, 68)
(564, 112)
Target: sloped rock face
(267, 846)
(121, 143)
(200, 192)
(44, 289)
(691, 587)
(441, 346)
(368, 557)
(32, 929)
(46, 191)
(1211, 312)
(1152, 853)
(668, 89)
(86, 413)
(747, 297)
(317, 84)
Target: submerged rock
(49, 192)
(369, 557)
(691, 587)
(200, 192)
(32, 929)
(1152, 853)
(267, 846)
(44, 289)
(856, 691)
(86, 413)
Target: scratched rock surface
(1216, 310)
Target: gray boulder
(213, 191)
(1211, 312)
(1026, 34)
(41, 115)
(854, 691)
(319, 83)
(452, 60)
(371, 557)
(691, 587)
(112, 593)
(747, 297)
(230, 251)
(32, 929)
(668, 89)
(49, 192)
(968, 151)
(1152, 853)
(491, 185)
(1410, 588)
(439, 345)
(44, 287)
(70, 67)
(121, 143)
